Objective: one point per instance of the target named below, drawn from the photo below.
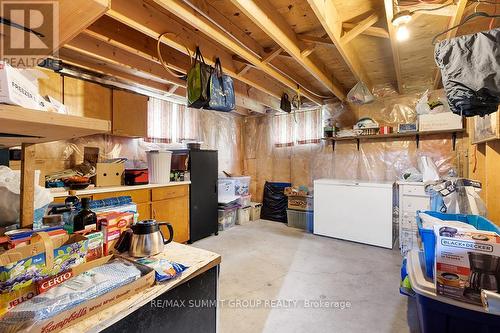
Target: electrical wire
(468, 18)
(163, 62)
(433, 9)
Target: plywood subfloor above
(19, 125)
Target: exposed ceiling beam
(72, 16)
(329, 17)
(370, 31)
(239, 35)
(389, 14)
(271, 55)
(83, 61)
(454, 20)
(84, 44)
(273, 24)
(433, 9)
(244, 69)
(313, 39)
(106, 52)
(148, 20)
(193, 18)
(359, 28)
(308, 50)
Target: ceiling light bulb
(403, 33)
(402, 17)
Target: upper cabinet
(83, 98)
(130, 114)
(51, 84)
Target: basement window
(170, 122)
(297, 128)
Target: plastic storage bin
(234, 185)
(444, 315)
(243, 215)
(300, 219)
(245, 200)
(255, 211)
(227, 218)
(429, 239)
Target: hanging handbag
(221, 90)
(285, 104)
(198, 82)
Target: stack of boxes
(300, 208)
(234, 201)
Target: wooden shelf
(19, 125)
(417, 136)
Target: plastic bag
(423, 104)
(275, 202)
(429, 170)
(360, 94)
(10, 189)
(411, 175)
(164, 270)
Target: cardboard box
(93, 306)
(16, 89)
(462, 258)
(305, 203)
(19, 265)
(439, 122)
(109, 174)
(112, 225)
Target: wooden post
(27, 197)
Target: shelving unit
(417, 135)
(25, 127)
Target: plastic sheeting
(378, 160)
(219, 131)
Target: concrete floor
(266, 260)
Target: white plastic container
(245, 200)
(159, 166)
(243, 215)
(255, 211)
(235, 185)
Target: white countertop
(94, 190)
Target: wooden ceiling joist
(359, 28)
(98, 50)
(454, 20)
(432, 9)
(264, 15)
(111, 54)
(389, 14)
(325, 40)
(329, 17)
(149, 21)
(271, 55)
(190, 16)
(102, 68)
(370, 31)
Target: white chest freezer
(359, 211)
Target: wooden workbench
(199, 262)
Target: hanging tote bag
(221, 90)
(285, 103)
(198, 82)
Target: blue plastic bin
(429, 239)
(436, 316)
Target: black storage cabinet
(203, 220)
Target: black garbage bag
(275, 202)
(470, 68)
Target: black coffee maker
(485, 274)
